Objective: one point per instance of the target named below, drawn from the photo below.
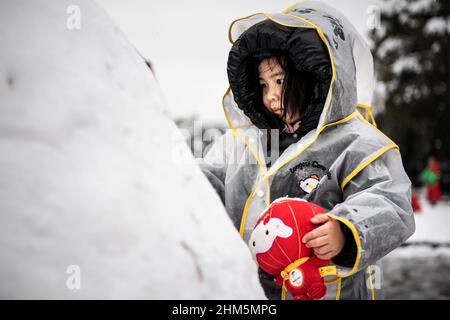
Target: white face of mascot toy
(264, 235)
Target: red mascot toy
(276, 244)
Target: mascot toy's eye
(267, 232)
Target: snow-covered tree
(412, 61)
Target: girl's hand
(326, 240)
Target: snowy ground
(419, 270)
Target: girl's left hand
(326, 240)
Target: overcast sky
(188, 45)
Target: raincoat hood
(319, 40)
(264, 39)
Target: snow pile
(91, 203)
(432, 223)
(431, 236)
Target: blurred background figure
(430, 177)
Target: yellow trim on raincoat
(338, 290)
(247, 203)
(357, 241)
(372, 291)
(369, 114)
(365, 163)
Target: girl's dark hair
(296, 90)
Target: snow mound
(91, 203)
(432, 223)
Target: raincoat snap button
(260, 193)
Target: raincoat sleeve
(376, 212)
(214, 164)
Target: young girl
(296, 80)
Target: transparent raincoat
(346, 165)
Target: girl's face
(271, 78)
